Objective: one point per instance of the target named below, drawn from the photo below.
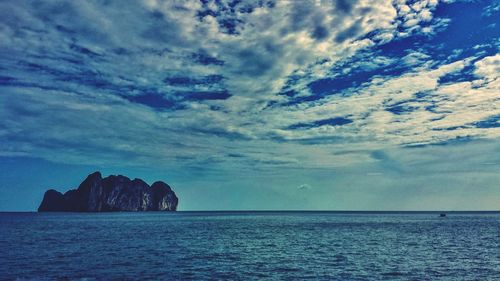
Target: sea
(250, 246)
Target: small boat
(442, 215)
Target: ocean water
(249, 246)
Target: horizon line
(284, 211)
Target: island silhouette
(110, 194)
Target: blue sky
(369, 105)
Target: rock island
(113, 193)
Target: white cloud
(423, 120)
(488, 68)
(304, 186)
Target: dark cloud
(156, 101)
(228, 14)
(379, 155)
(203, 58)
(345, 6)
(255, 63)
(336, 121)
(349, 33)
(449, 142)
(320, 33)
(186, 80)
(300, 15)
(207, 95)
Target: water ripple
(248, 246)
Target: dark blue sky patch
(235, 155)
(32, 67)
(83, 50)
(401, 109)
(336, 121)
(155, 101)
(452, 128)
(379, 155)
(227, 14)
(451, 142)
(175, 101)
(423, 99)
(205, 59)
(186, 80)
(428, 103)
(205, 12)
(230, 25)
(492, 122)
(88, 78)
(488, 123)
(331, 85)
(420, 100)
(468, 28)
(63, 29)
(319, 140)
(345, 5)
(47, 72)
(121, 51)
(338, 85)
(207, 95)
(435, 109)
(5, 80)
(320, 33)
(356, 77)
(360, 73)
(466, 74)
(81, 76)
(164, 51)
(400, 47)
(456, 140)
(289, 93)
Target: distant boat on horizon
(442, 215)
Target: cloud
(304, 187)
(277, 83)
(488, 68)
(336, 121)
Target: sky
(255, 105)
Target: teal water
(249, 246)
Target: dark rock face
(113, 193)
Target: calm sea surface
(249, 246)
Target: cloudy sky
(259, 104)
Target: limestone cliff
(113, 193)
